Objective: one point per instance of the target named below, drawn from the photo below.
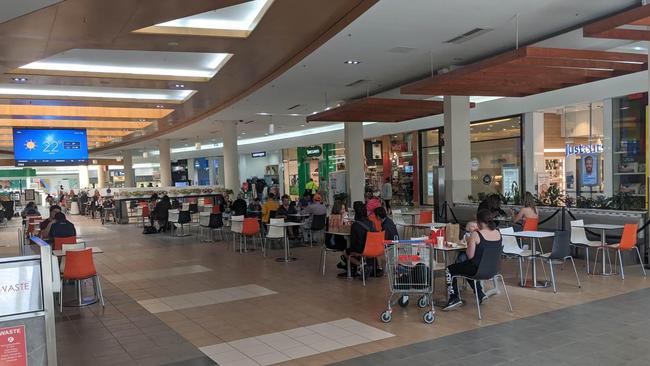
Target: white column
(211, 172)
(608, 152)
(165, 163)
(84, 179)
(230, 156)
(354, 161)
(533, 160)
(129, 172)
(101, 176)
(458, 165)
(191, 172)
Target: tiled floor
(152, 268)
(294, 343)
(203, 298)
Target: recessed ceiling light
(179, 86)
(352, 62)
(263, 114)
(160, 106)
(19, 79)
(243, 133)
(19, 90)
(302, 125)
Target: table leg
(533, 258)
(287, 258)
(603, 245)
(347, 242)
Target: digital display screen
(408, 169)
(43, 147)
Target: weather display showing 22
(38, 147)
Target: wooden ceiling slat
(617, 20)
(380, 110)
(529, 70)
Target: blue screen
(41, 147)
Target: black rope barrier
(453, 215)
(550, 217)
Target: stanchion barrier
(453, 215)
(550, 217)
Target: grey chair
(488, 270)
(318, 223)
(561, 252)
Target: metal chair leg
(587, 258)
(640, 260)
(596, 259)
(521, 271)
(61, 297)
(363, 270)
(620, 258)
(99, 290)
(478, 304)
(550, 264)
(79, 291)
(323, 260)
(575, 271)
(505, 290)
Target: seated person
(488, 236)
(305, 200)
(286, 209)
(46, 225)
(358, 233)
(30, 210)
(254, 208)
(529, 211)
(316, 208)
(61, 227)
(387, 224)
(238, 207)
(271, 204)
(372, 203)
(160, 213)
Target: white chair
(81, 245)
(56, 276)
(579, 239)
(275, 233)
(172, 219)
(511, 249)
(398, 219)
(236, 227)
(204, 224)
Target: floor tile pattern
(203, 298)
(295, 343)
(156, 273)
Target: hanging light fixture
(197, 146)
(145, 154)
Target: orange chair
(33, 223)
(375, 220)
(207, 201)
(628, 242)
(144, 214)
(531, 224)
(250, 229)
(374, 248)
(58, 242)
(79, 267)
(426, 217)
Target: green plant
(516, 194)
(553, 197)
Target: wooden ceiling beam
(581, 64)
(626, 17)
(626, 34)
(584, 54)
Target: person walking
(387, 194)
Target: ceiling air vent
(476, 32)
(401, 49)
(358, 82)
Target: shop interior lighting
(94, 92)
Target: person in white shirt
(387, 194)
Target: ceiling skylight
(187, 66)
(94, 93)
(233, 21)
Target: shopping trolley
(410, 267)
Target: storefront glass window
(629, 146)
(431, 159)
(496, 156)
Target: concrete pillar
(608, 147)
(354, 161)
(458, 164)
(211, 172)
(191, 172)
(165, 163)
(533, 149)
(84, 179)
(101, 176)
(230, 156)
(129, 172)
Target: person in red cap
(315, 208)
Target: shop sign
(583, 149)
(313, 151)
(476, 164)
(259, 154)
(20, 287)
(13, 350)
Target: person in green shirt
(311, 186)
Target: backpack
(149, 230)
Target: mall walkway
(613, 331)
(182, 302)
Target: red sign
(13, 350)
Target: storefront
(393, 157)
(302, 164)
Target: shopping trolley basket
(410, 267)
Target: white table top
(337, 233)
(411, 213)
(434, 224)
(60, 253)
(531, 234)
(446, 248)
(286, 224)
(600, 226)
(299, 215)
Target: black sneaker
(482, 297)
(340, 265)
(453, 304)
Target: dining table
(61, 252)
(603, 228)
(287, 250)
(534, 237)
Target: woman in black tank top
(468, 264)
